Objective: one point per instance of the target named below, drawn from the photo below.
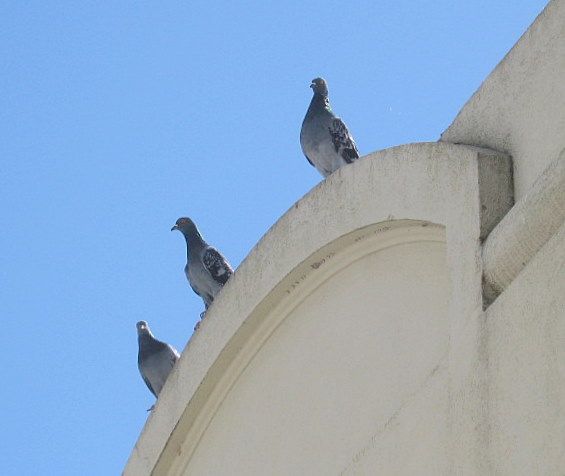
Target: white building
(406, 317)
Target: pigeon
(206, 269)
(155, 359)
(324, 138)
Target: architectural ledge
(526, 228)
(441, 193)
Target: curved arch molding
(380, 259)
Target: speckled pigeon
(155, 359)
(324, 138)
(206, 269)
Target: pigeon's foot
(202, 316)
(151, 409)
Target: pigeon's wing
(149, 385)
(217, 266)
(174, 355)
(146, 380)
(343, 141)
(172, 358)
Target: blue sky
(119, 117)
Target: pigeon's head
(185, 225)
(319, 86)
(143, 328)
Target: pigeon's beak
(175, 227)
(312, 85)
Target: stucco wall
(343, 374)
(350, 336)
(353, 340)
(526, 348)
(519, 107)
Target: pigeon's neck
(194, 241)
(319, 101)
(145, 340)
(148, 345)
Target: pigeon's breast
(317, 143)
(314, 132)
(201, 280)
(156, 369)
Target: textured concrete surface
(526, 348)
(337, 378)
(519, 107)
(525, 229)
(420, 203)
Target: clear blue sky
(119, 117)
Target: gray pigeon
(155, 359)
(206, 269)
(324, 138)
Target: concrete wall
(519, 108)
(351, 336)
(404, 317)
(526, 348)
(341, 373)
